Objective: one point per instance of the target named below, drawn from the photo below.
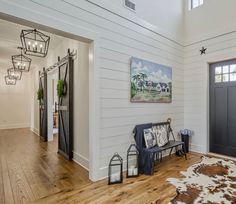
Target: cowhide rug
(212, 181)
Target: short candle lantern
(115, 172)
(132, 161)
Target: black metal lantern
(21, 62)
(115, 172)
(14, 73)
(10, 81)
(132, 161)
(35, 43)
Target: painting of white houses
(150, 82)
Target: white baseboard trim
(35, 131)
(81, 160)
(197, 148)
(14, 126)
(103, 171)
(221, 156)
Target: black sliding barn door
(223, 108)
(43, 113)
(65, 110)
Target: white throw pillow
(149, 138)
(161, 135)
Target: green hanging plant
(40, 94)
(60, 88)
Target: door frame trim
(12, 12)
(220, 63)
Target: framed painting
(150, 82)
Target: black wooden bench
(149, 156)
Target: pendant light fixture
(10, 81)
(35, 43)
(14, 73)
(21, 62)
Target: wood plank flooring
(32, 172)
(30, 169)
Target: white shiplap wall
(119, 40)
(196, 84)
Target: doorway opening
(52, 78)
(81, 74)
(222, 108)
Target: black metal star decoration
(203, 50)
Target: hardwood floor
(32, 172)
(30, 169)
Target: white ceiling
(10, 40)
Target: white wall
(214, 25)
(14, 102)
(34, 100)
(165, 16)
(117, 39)
(213, 18)
(196, 94)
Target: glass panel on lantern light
(115, 173)
(132, 165)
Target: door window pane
(225, 69)
(233, 77)
(217, 78)
(218, 70)
(233, 68)
(225, 77)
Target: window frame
(191, 4)
(221, 74)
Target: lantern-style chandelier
(21, 62)
(14, 73)
(35, 43)
(10, 81)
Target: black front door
(65, 109)
(223, 108)
(43, 113)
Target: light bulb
(41, 47)
(29, 43)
